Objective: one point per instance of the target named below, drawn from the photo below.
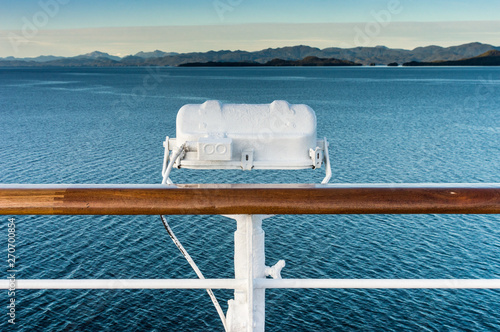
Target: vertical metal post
(246, 312)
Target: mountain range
(379, 55)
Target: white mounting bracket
(328, 167)
(247, 160)
(275, 270)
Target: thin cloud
(250, 37)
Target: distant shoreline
(487, 59)
(250, 67)
(310, 61)
(490, 58)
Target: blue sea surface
(384, 125)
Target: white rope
(175, 156)
(195, 268)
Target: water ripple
(383, 126)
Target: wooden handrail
(249, 199)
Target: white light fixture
(242, 136)
(213, 135)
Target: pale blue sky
(238, 24)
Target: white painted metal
(246, 311)
(239, 136)
(258, 283)
(125, 284)
(275, 270)
(167, 166)
(328, 168)
(247, 136)
(380, 283)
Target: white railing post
(246, 312)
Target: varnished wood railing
(250, 199)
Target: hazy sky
(72, 27)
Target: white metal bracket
(275, 270)
(316, 157)
(247, 160)
(328, 168)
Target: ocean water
(384, 125)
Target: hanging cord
(196, 270)
(166, 180)
(170, 164)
